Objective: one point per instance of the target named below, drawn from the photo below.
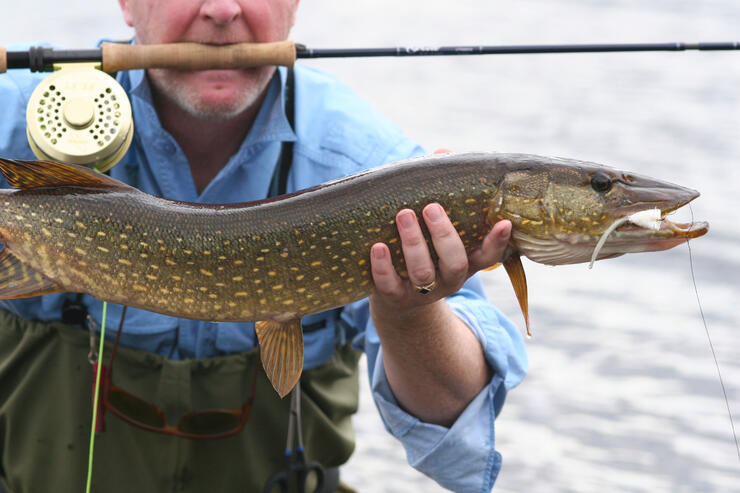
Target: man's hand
(433, 361)
(397, 295)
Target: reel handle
(196, 56)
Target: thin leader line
(711, 345)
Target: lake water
(622, 394)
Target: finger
(453, 260)
(493, 247)
(386, 279)
(415, 250)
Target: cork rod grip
(3, 60)
(196, 56)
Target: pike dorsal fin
(17, 280)
(281, 351)
(36, 174)
(514, 268)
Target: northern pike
(68, 228)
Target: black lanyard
(285, 159)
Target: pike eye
(601, 182)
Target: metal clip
(92, 327)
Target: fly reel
(80, 115)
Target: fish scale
(68, 228)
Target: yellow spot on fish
(325, 285)
(237, 278)
(189, 252)
(231, 304)
(277, 287)
(60, 221)
(206, 252)
(221, 257)
(203, 288)
(362, 261)
(176, 278)
(103, 265)
(238, 262)
(151, 277)
(350, 279)
(212, 296)
(101, 233)
(139, 287)
(143, 255)
(124, 261)
(288, 302)
(80, 251)
(220, 284)
(301, 290)
(206, 272)
(164, 290)
(46, 231)
(123, 246)
(300, 277)
(316, 263)
(103, 249)
(188, 300)
(240, 294)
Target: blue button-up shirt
(336, 133)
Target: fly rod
(194, 56)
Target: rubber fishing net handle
(196, 56)
(3, 60)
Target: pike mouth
(620, 238)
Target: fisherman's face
(210, 93)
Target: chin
(213, 93)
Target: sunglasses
(206, 424)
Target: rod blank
(193, 56)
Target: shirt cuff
(462, 457)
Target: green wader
(46, 413)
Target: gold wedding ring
(426, 288)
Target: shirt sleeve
(462, 457)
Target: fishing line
(711, 345)
(95, 400)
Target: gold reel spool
(80, 115)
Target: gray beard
(187, 100)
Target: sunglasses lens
(209, 423)
(136, 409)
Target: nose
(221, 11)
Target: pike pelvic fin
(17, 280)
(281, 351)
(514, 268)
(37, 174)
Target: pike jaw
(559, 214)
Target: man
(440, 363)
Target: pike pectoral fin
(18, 280)
(514, 268)
(34, 174)
(281, 351)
